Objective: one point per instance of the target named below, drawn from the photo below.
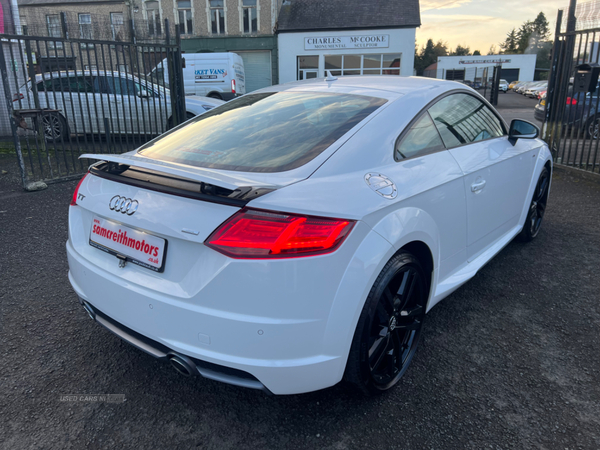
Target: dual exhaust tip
(182, 364)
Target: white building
(346, 37)
(474, 68)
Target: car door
(425, 167)
(496, 171)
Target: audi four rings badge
(123, 205)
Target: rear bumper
(288, 325)
(162, 352)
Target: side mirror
(521, 129)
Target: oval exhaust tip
(181, 365)
(89, 310)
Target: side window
(462, 119)
(79, 84)
(422, 138)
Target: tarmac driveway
(510, 360)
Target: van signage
(346, 42)
(210, 74)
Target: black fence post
(179, 74)
(9, 107)
(63, 24)
(554, 72)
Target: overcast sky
(480, 23)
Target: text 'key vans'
(217, 75)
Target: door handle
(478, 186)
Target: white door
(258, 70)
(496, 172)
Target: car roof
(389, 87)
(62, 73)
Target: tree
(492, 50)
(461, 51)
(429, 55)
(476, 53)
(509, 46)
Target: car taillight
(254, 234)
(571, 101)
(76, 193)
(17, 97)
(232, 86)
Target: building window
(53, 23)
(153, 17)
(308, 67)
(116, 25)
(85, 26)
(373, 64)
(249, 16)
(217, 16)
(184, 10)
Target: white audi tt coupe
(298, 235)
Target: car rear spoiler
(197, 174)
(175, 179)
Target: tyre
(215, 95)
(537, 208)
(55, 128)
(592, 128)
(389, 327)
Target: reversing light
(254, 234)
(76, 193)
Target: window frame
(114, 26)
(425, 110)
(213, 10)
(84, 24)
(183, 27)
(249, 10)
(153, 18)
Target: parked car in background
(533, 90)
(298, 235)
(504, 86)
(86, 101)
(513, 84)
(581, 114)
(215, 75)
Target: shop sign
(485, 61)
(346, 42)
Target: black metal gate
(572, 113)
(66, 97)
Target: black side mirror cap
(521, 129)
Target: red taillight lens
(74, 199)
(232, 86)
(263, 234)
(571, 101)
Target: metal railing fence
(66, 97)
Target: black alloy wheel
(593, 128)
(537, 208)
(389, 328)
(54, 127)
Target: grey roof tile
(304, 15)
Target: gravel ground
(510, 360)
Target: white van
(216, 75)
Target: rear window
(268, 132)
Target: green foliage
(461, 51)
(529, 38)
(429, 54)
(476, 53)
